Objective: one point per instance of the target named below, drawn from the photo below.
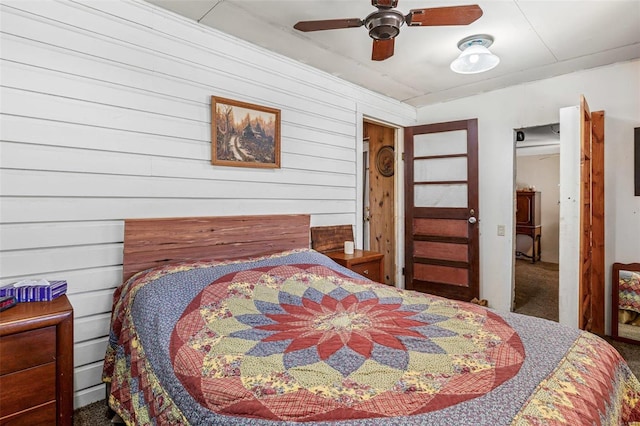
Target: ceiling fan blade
(453, 15)
(382, 49)
(328, 24)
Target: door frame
(381, 193)
(398, 188)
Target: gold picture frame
(244, 134)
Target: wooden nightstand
(36, 367)
(367, 263)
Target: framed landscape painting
(244, 134)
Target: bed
(235, 321)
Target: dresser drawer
(43, 415)
(27, 388)
(27, 349)
(36, 364)
(370, 270)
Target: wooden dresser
(36, 363)
(367, 263)
(528, 221)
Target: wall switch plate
(501, 230)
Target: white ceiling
(534, 39)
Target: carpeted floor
(94, 414)
(536, 295)
(537, 289)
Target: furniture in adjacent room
(36, 371)
(528, 221)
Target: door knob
(472, 220)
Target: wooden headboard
(153, 242)
(330, 238)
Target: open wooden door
(380, 206)
(441, 209)
(591, 272)
(584, 308)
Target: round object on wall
(385, 161)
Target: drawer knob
(366, 271)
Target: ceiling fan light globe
(474, 59)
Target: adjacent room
(537, 220)
(265, 212)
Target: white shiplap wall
(105, 115)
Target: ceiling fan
(384, 24)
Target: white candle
(348, 247)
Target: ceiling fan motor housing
(384, 3)
(384, 24)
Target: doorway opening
(537, 201)
(379, 195)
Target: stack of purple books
(35, 290)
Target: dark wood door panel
(441, 233)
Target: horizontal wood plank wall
(105, 116)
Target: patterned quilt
(296, 338)
(629, 291)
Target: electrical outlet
(501, 230)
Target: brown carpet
(537, 289)
(536, 295)
(94, 414)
